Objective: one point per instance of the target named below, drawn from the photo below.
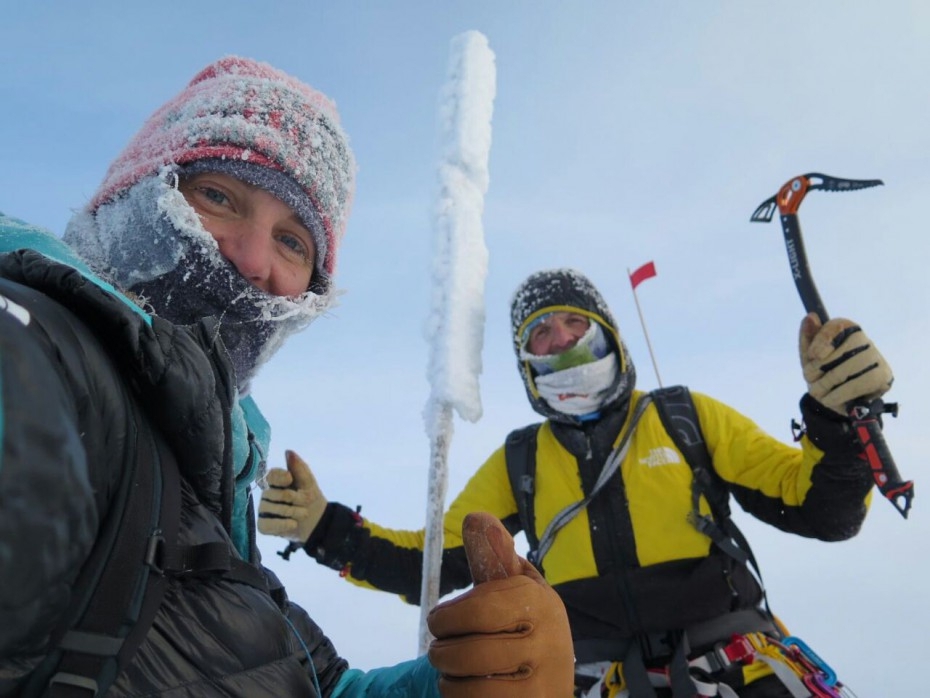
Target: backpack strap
(520, 453)
(611, 465)
(522, 475)
(108, 617)
(679, 417)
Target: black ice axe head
(865, 415)
(788, 201)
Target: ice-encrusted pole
(455, 326)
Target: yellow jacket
(631, 561)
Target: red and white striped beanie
(247, 113)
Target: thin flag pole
(644, 272)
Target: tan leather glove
(293, 503)
(506, 637)
(840, 363)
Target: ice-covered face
(556, 332)
(256, 232)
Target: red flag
(647, 271)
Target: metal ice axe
(864, 414)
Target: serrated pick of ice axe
(864, 414)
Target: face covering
(151, 243)
(591, 346)
(580, 390)
(577, 380)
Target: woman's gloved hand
(840, 363)
(508, 636)
(293, 503)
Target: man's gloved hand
(508, 636)
(293, 504)
(840, 363)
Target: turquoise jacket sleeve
(414, 679)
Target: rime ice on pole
(455, 325)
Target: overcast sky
(622, 132)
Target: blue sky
(623, 132)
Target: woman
(130, 443)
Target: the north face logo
(663, 455)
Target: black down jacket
(86, 384)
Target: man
(661, 596)
(130, 443)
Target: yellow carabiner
(614, 682)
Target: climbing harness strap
(793, 663)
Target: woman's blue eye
(214, 195)
(297, 246)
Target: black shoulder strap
(520, 451)
(109, 617)
(679, 417)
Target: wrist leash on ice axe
(864, 414)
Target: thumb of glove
(489, 549)
(809, 328)
(507, 636)
(294, 504)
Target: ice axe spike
(865, 414)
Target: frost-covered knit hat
(251, 121)
(566, 290)
(238, 112)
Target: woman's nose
(248, 248)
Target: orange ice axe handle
(865, 415)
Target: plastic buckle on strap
(154, 553)
(702, 522)
(739, 650)
(722, 657)
(660, 645)
(63, 678)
